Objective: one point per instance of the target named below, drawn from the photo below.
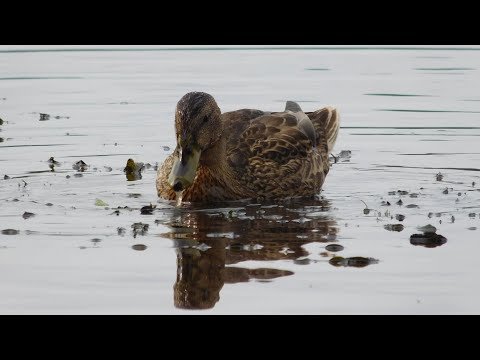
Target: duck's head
(198, 128)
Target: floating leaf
(334, 247)
(99, 202)
(10, 232)
(27, 215)
(147, 210)
(393, 227)
(352, 261)
(429, 240)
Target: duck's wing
(275, 155)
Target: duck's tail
(327, 124)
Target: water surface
(75, 240)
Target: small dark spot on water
(166, 148)
(116, 212)
(10, 232)
(385, 203)
(68, 176)
(49, 204)
(139, 247)
(472, 215)
(134, 195)
(356, 261)
(6, 177)
(96, 240)
(412, 206)
(44, 117)
(399, 217)
(472, 228)
(27, 215)
(78, 175)
(121, 231)
(334, 247)
(399, 202)
(445, 191)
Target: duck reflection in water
(209, 242)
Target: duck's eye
(205, 119)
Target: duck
(246, 153)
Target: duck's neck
(215, 179)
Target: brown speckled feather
(262, 155)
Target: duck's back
(282, 154)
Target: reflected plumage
(246, 153)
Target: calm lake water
(407, 115)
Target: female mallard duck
(246, 153)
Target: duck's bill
(184, 170)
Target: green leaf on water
(99, 202)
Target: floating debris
(27, 215)
(334, 247)
(139, 228)
(147, 210)
(80, 166)
(429, 240)
(427, 229)
(99, 202)
(305, 261)
(44, 117)
(133, 170)
(439, 176)
(393, 227)
(139, 247)
(10, 232)
(352, 261)
(52, 161)
(399, 217)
